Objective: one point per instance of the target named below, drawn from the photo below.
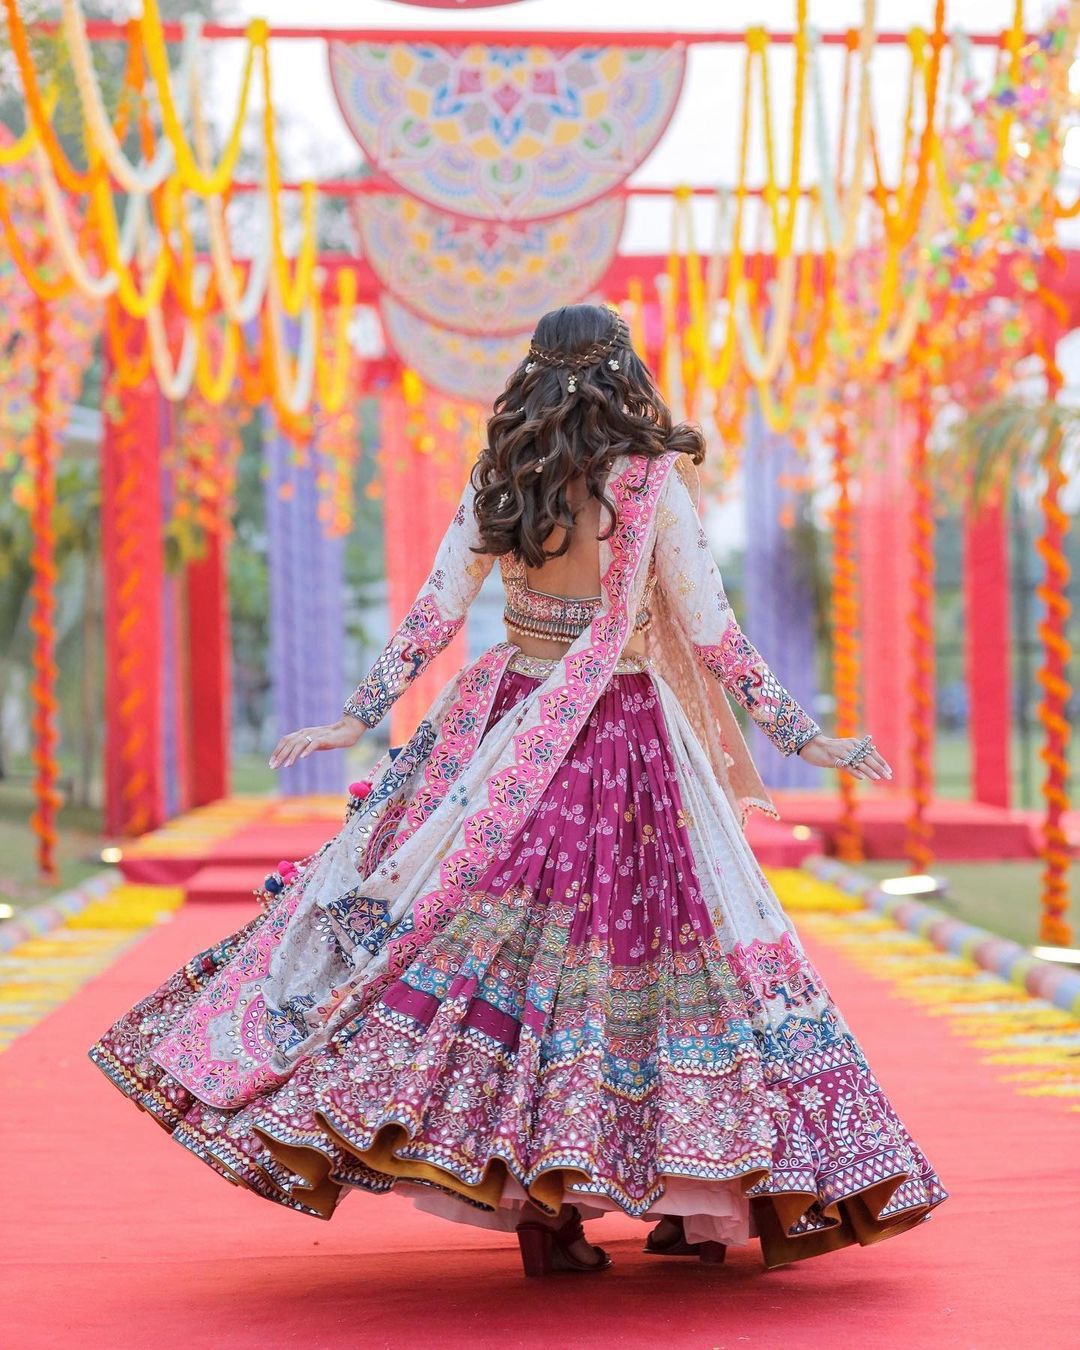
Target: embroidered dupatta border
(459, 735)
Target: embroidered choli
(681, 564)
(556, 618)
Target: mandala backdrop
(506, 133)
(485, 276)
(457, 4)
(459, 364)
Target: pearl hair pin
(575, 362)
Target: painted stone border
(52, 913)
(999, 955)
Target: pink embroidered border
(459, 736)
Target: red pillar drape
(919, 833)
(420, 492)
(208, 672)
(885, 574)
(133, 566)
(42, 452)
(986, 636)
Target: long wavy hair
(580, 398)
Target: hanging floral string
(44, 702)
(1052, 676)
(137, 261)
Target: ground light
(111, 854)
(6, 911)
(920, 884)
(1068, 956)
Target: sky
(700, 144)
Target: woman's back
(575, 573)
(548, 607)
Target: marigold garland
(44, 701)
(1053, 680)
(171, 168)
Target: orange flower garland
(43, 599)
(1052, 676)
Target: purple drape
(778, 597)
(307, 612)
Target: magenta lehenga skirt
(575, 1032)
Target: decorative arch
(461, 365)
(486, 277)
(506, 133)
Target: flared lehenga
(617, 1014)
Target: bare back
(574, 575)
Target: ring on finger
(858, 752)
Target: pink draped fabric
(885, 571)
(987, 652)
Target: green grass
(252, 774)
(77, 854)
(952, 767)
(1000, 896)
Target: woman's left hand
(824, 751)
(296, 745)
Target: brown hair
(581, 397)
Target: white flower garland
(135, 179)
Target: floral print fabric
(586, 1023)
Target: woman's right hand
(339, 735)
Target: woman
(538, 974)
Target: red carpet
(115, 1237)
